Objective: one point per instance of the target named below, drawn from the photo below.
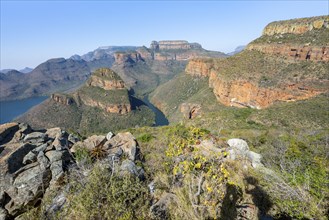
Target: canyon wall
(296, 26)
(293, 52)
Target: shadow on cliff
(234, 206)
(232, 197)
(259, 197)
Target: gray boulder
(128, 167)
(30, 158)
(255, 159)
(36, 137)
(126, 141)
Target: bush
(107, 196)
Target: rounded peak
(106, 73)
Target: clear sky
(35, 31)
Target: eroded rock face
(241, 93)
(294, 52)
(174, 45)
(296, 26)
(29, 164)
(190, 110)
(106, 79)
(62, 99)
(127, 58)
(199, 67)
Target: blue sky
(34, 31)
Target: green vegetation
(106, 74)
(106, 97)
(316, 37)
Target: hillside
(51, 76)
(101, 103)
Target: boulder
(27, 189)
(58, 161)
(73, 139)
(42, 148)
(54, 132)
(30, 158)
(237, 148)
(93, 141)
(126, 141)
(36, 137)
(128, 167)
(255, 159)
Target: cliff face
(241, 93)
(296, 26)
(174, 45)
(179, 50)
(106, 79)
(294, 52)
(127, 57)
(268, 72)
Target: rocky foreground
(35, 162)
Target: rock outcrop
(30, 163)
(294, 52)
(241, 93)
(190, 110)
(296, 26)
(106, 79)
(127, 58)
(174, 45)
(62, 99)
(104, 89)
(33, 162)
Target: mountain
(237, 50)
(146, 68)
(6, 70)
(101, 103)
(155, 65)
(53, 75)
(26, 70)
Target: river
(160, 118)
(9, 110)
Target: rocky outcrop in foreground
(33, 162)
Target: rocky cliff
(268, 71)
(297, 26)
(102, 100)
(174, 45)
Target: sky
(35, 31)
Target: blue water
(12, 109)
(160, 118)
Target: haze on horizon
(35, 31)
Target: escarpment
(267, 71)
(297, 26)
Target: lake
(12, 109)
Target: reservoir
(9, 110)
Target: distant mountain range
(142, 68)
(25, 70)
(237, 50)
